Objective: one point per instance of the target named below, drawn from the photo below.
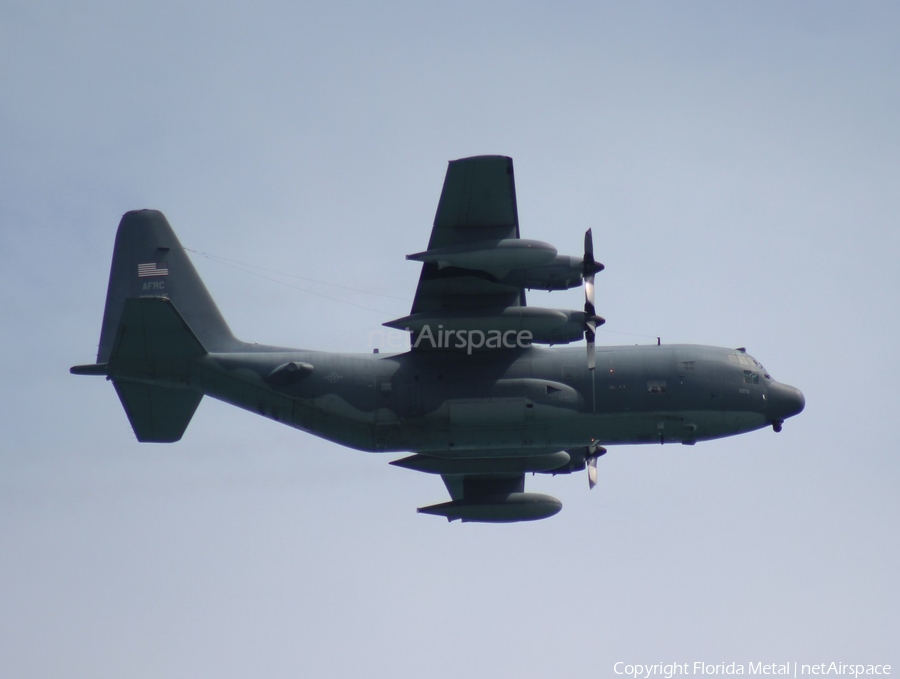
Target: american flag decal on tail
(153, 269)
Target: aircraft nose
(784, 401)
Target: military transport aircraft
(473, 399)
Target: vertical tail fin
(148, 261)
(158, 318)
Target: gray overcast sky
(738, 163)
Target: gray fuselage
(511, 402)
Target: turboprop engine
(495, 257)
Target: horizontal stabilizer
(157, 414)
(149, 361)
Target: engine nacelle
(496, 257)
(483, 465)
(562, 273)
(453, 329)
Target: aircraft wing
(477, 204)
(471, 290)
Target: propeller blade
(592, 471)
(588, 268)
(590, 334)
(595, 450)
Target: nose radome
(784, 401)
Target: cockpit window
(761, 368)
(751, 377)
(748, 361)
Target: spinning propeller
(591, 320)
